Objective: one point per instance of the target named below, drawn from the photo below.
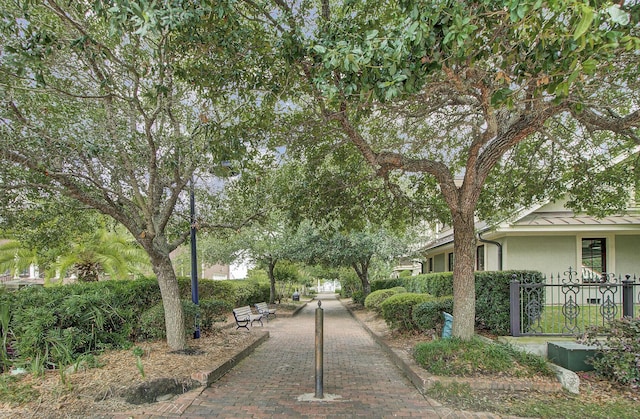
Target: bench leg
(245, 324)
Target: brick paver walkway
(278, 379)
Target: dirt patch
(159, 390)
(121, 382)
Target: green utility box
(571, 355)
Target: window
(450, 259)
(430, 267)
(480, 258)
(594, 259)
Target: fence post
(627, 297)
(514, 306)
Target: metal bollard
(319, 350)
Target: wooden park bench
(244, 316)
(264, 309)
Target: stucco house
(549, 238)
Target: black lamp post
(194, 260)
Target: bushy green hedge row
(404, 313)
(397, 310)
(54, 326)
(492, 293)
(428, 315)
(375, 298)
(437, 284)
(209, 311)
(235, 292)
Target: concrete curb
(207, 377)
(423, 381)
(293, 313)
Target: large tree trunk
(362, 271)
(272, 282)
(173, 313)
(464, 290)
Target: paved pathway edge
(208, 377)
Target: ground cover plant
(456, 357)
(618, 345)
(596, 400)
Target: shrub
(350, 284)
(383, 284)
(428, 315)
(213, 311)
(5, 318)
(54, 326)
(357, 296)
(152, 325)
(248, 292)
(619, 354)
(397, 310)
(492, 293)
(376, 298)
(437, 284)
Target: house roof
(567, 218)
(541, 221)
(533, 219)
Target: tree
(102, 253)
(443, 91)
(42, 224)
(265, 242)
(89, 254)
(95, 107)
(335, 247)
(14, 258)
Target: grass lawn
(553, 321)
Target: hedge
(428, 315)
(235, 292)
(54, 326)
(375, 298)
(209, 311)
(397, 310)
(437, 284)
(492, 293)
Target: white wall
(547, 254)
(627, 255)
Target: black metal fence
(569, 304)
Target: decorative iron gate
(570, 303)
